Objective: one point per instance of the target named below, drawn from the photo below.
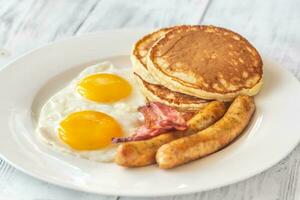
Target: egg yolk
(88, 130)
(104, 88)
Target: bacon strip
(159, 118)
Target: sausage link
(209, 140)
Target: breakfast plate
(29, 81)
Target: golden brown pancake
(152, 88)
(140, 52)
(159, 93)
(207, 62)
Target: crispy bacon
(158, 119)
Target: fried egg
(97, 105)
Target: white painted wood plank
(111, 14)
(31, 24)
(10, 19)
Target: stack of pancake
(188, 66)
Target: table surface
(273, 26)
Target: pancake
(140, 52)
(150, 86)
(159, 93)
(207, 62)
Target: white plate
(27, 82)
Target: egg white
(67, 101)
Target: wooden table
(272, 26)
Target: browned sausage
(209, 140)
(142, 153)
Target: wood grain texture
(29, 24)
(112, 14)
(272, 26)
